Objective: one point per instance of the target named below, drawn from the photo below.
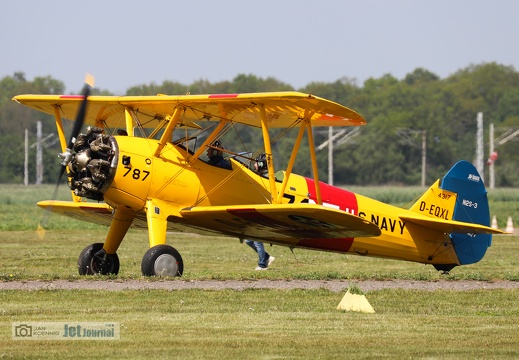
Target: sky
(126, 43)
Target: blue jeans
(263, 256)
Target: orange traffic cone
(494, 223)
(510, 225)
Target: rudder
(472, 207)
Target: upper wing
(279, 222)
(283, 109)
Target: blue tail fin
(472, 207)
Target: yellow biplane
(141, 164)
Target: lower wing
(97, 213)
(264, 222)
(278, 222)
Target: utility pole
(424, 155)
(408, 137)
(26, 160)
(491, 177)
(341, 137)
(40, 144)
(510, 134)
(39, 154)
(479, 146)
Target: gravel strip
(332, 285)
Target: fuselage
(174, 178)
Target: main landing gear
(160, 260)
(93, 260)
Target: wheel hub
(102, 263)
(166, 265)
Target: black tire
(162, 260)
(93, 261)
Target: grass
(24, 257)
(266, 324)
(18, 210)
(250, 324)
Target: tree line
(446, 109)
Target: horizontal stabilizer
(449, 226)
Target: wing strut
(291, 162)
(208, 141)
(166, 135)
(129, 120)
(268, 154)
(59, 127)
(315, 169)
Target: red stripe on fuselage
(345, 200)
(222, 96)
(341, 245)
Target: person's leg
(262, 254)
(251, 244)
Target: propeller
(67, 155)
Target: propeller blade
(80, 116)
(67, 155)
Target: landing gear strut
(93, 260)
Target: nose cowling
(92, 168)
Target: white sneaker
(271, 260)
(260, 268)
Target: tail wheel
(93, 260)
(162, 260)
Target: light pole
(408, 137)
(342, 136)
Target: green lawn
(249, 324)
(266, 324)
(24, 257)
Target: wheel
(162, 260)
(93, 260)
